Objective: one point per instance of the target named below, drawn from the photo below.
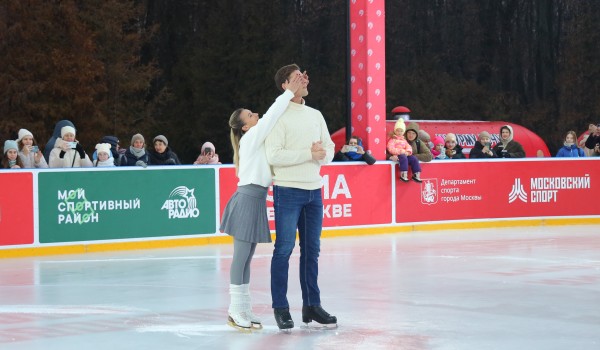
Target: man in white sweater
(296, 147)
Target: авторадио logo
(181, 204)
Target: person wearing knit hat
(438, 151)
(483, 147)
(23, 133)
(138, 141)
(68, 152)
(420, 149)
(67, 130)
(104, 154)
(29, 152)
(207, 155)
(507, 147)
(401, 151)
(400, 125)
(11, 160)
(136, 154)
(424, 136)
(453, 149)
(161, 153)
(116, 151)
(161, 138)
(55, 135)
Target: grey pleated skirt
(245, 216)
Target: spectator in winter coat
(55, 135)
(507, 147)
(136, 153)
(68, 152)
(354, 151)
(29, 152)
(162, 154)
(424, 136)
(208, 155)
(483, 147)
(569, 148)
(453, 149)
(11, 158)
(105, 157)
(420, 148)
(438, 150)
(402, 152)
(593, 141)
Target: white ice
(510, 288)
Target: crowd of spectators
(64, 150)
(406, 145)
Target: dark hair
(356, 138)
(283, 75)
(20, 144)
(4, 161)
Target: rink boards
(53, 211)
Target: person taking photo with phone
(208, 155)
(483, 147)
(593, 141)
(354, 151)
(29, 152)
(508, 147)
(68, 152)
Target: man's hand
(317, 150)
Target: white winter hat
(103, 147)
(67, 130)
(23, 133)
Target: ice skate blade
(256, 326)
(320, 326)
(231, 323)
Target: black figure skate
(317, 314)
(284, 319)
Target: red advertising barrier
(16, 208)
(352, 194)
(470, 189)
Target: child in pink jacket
(401, 151)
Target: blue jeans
(301, 209)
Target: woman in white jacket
(68, 153)
(29, 152)
(245, 216)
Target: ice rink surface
(511, 288)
